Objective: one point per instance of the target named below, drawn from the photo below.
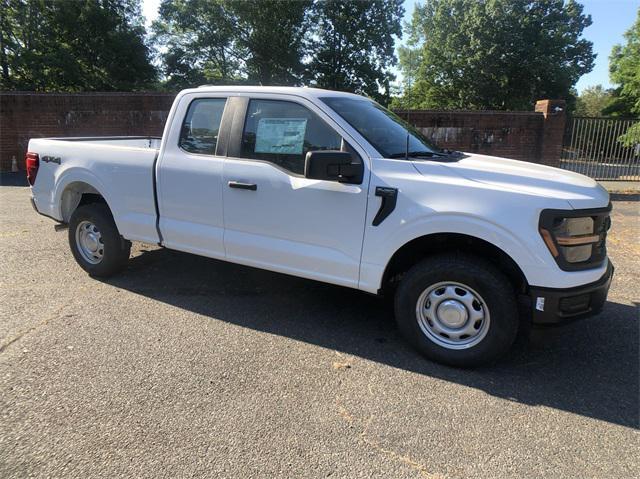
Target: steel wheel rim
(453, 315)
(89, 242)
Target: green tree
(624, 70)
(593, 101)
(73, 45)
(196, 41)
(230, 41)
(272, 32)
(352, 45)
(496, 54)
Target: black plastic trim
(333, 165)
(546, 221)
(554, 316)
(389, 199)
(243, 186)
(154, 179)
(226, 125)
(240, 104)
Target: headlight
(576, 239)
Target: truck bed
(120, 168)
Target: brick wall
(25, 115)
(534, 136)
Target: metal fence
(592, 146)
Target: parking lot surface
(185, 366)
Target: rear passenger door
(189, 178)
(274, 217)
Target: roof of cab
(298, 91)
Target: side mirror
(332, 166)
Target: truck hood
(520, 176)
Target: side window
(199, 133)
(282, 132)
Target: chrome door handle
(243, 186)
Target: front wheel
(95, 241)
(458, 310)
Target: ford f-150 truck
(332, 186)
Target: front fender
(377, 254)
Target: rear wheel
(457, 310)
(95, 241)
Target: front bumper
(553, 307)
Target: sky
(611, 18)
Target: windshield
(386, 131)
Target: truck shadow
(588, 368)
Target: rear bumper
(552, 307)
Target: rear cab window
(201, 125)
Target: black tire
(492, 286)
(115, 249)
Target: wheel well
(77, 194)
(429, 245)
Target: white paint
(315, 229)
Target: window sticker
(281, 135)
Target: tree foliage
(352, 45)
(195, 37)
(593, 101)
(273, 35)
(494, 54)
(624, 69)
(224, 41)
(339, 44)
(73, 45)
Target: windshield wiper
(452, 152)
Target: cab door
(274, 217)
(189, 178)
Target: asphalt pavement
(188, 367)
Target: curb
(624, 196)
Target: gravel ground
(184, 366)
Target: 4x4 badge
(51, 159)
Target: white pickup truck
(333, 187)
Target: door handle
(243, 186)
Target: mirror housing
(332, 165)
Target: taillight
(32, 161)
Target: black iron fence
(594, 147)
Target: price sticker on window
(284, 136)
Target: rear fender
(70, 185)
